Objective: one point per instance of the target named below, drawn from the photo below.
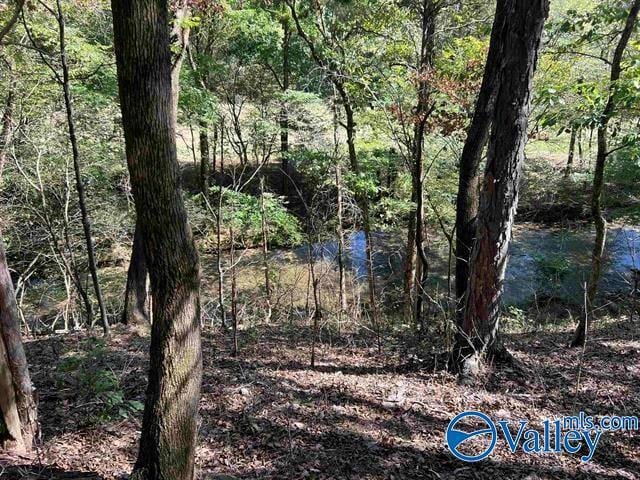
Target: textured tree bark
(17, 405)
(135, 300)
(84, 212)
(180, 42)
(169, 425)
(598, 174)
(136, 310)
(478, 333)
(469, 175)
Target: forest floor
(358, 415)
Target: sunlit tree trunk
(137, 274)
(169, 425)
(478, 333)
(18, 412)
(469, 175)
(265, 247)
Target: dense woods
(299, 239)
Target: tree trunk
(222, 146)
(477, 136)
(598, 175)
(572, 149)
(341, 246)
(580, 152)
(84, 213)
(337, 79)
(363, 203)
(204, 158)
(15, 15)
(342, 288)
(18, 412)
(137, 282)
(284, 116)
(265, 247)
(214, 150)
(234, 290)
(428, 13)
(179, 43)
(409, 275)
(169, 425)
(135, 300)
(223, 311)
(478, 332)
(18, 407)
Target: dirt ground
(358, 415)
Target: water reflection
(544, 262)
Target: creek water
(543, 262)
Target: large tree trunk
(138, 278)
(598, 175)
(84, 212)
(478, 333)
(18, 413)
(169, 425)
(469, 175)
(17, 408)
(135, 297)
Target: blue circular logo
(456, 437)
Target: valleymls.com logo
(472, 436)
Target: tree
(330, 54)
(598, 175)
(143, 57)
(469, 175)
(478, 331)
(428, 11)
(64, 81)
(18, 412)
(135, 296)
(135, 309)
